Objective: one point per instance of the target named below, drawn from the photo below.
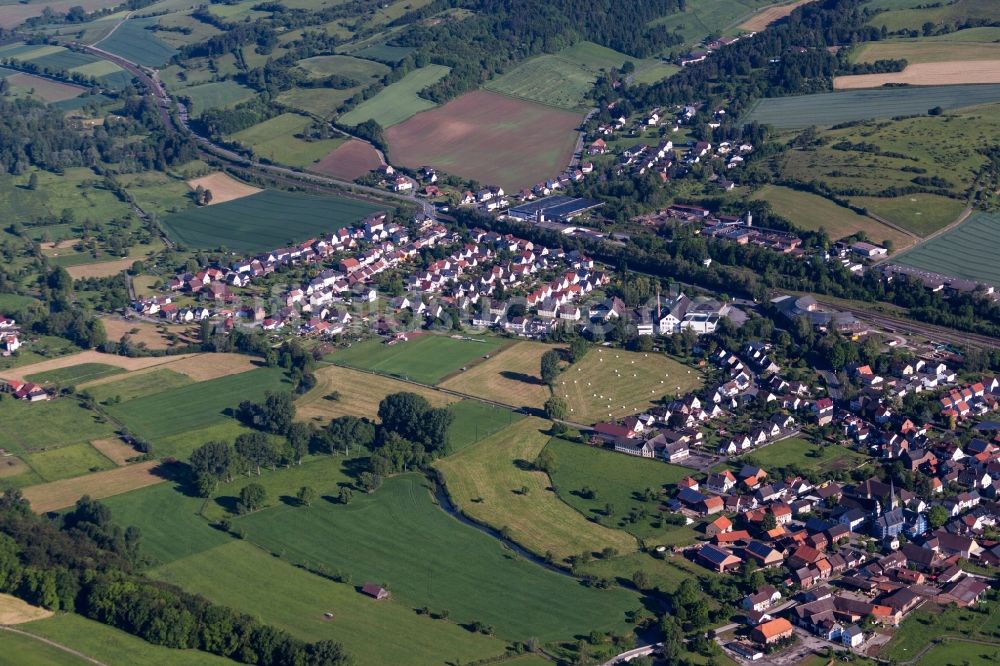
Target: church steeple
(892, 495)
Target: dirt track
(927, 74)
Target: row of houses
(10, 340)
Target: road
(635, 653)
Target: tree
(546, 461)
(578, 348)
(550, 366)
(555, 408)
(299, 435)
(369, 482)
(937, 516)
(410, 416)
(257, 449)
(306, 496)
(640, 579)
(212, 462)
(346, 431)
(769, 522)
(33, 181)
(252, 497)
(346, 495)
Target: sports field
(217, 95)
(360, 394)
(510, 377)
(921, 213)
(487, 480)
(278, 140)
(426, 358)
(610, 383)
(812, 212)
(264, 221)
(808, 456)
(75, 374)
(351, 159)
(967, 251)
(397, 101)
(824, 109)
(400, 537)
(491, 138)
(589, 479)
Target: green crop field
(112, 646)
(351, 67)
(825, 109)
(75, 374)
(137, 385)
(400, 537)
(476, 420)
(24, 651)
(62, 60)
(967, 251)
(619, 480)
(244, 577)
(33, 426)
(264, 221)
(134, 42)
(197, 406)
(921, 213)
(67, 462)
(218, 95)
(705, 17)
(398, 101)
(278, 140)
(426, 358)
(908, 17)
(322, 102)
(808, 456)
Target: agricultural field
(17, 611)
(38, 426)
(88, 356)
(475, 421)
(76, 188)
(144, 334)
(620, 481)
(954, 624)
(360, 394)
(445, 564)
(925, 50)
(492, 482)
(766, 17)
(488, 137)
(223, 187)
(909, 17)
(115, 450)
(41, 89)
(927, 74)
(67, 462)
(133, 41)
(397, 101)
(510, 377)
(12, 15)
(610, 383)
(825, 109)
(351, 159)
(967, 251)
(706, 17)
(279, 140)
(77, 374)
(426, 358)
(217, 95)
(65, 492)
(342, 65)
(921, 213)
(562, 79)
(322, 102)
(654, 72)
(18, 650)
(812, 212)
(248, 224)
(808, 456)
(384, 52)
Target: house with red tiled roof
(772, 632)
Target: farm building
(375, 591)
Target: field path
(51, 643)
(118, 25)
(962, 217)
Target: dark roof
(715, 554)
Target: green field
(706, 17)
(384, 53)
(218, 95)
(137, 385)
(808, 456)
(278, 140)
(932, 621)
(653, 72)
(18, 650)
(76, 374)
(476, 420)
(181, 444)
(76, 188)
(397, 101)
(908, 17)
(134, 42)
(197, 406)
(322, 102)
(400, 537)
(249, 224)
(348, 66)
(113, 646)
(33, 426)
(619, 480)
(427, 359)
(957, 651)
(919, 50)
(921, 213)
(67, 462)
(968, 251)
(824, 109)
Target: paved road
(635, 653)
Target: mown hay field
(67, 462)
(967, 251)
(425, 358)
(37, 426)
(923, 50)
(766, 17)
(398, 101)
(492, 483)
(927, 74)
(278, 140)
(474, 421)
(921, 213)
(18, 611)
(510, 377)
(61, 494)
(223, 187)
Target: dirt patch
(492, 138)
(18, 611)
(351, 159)
(60, 494)
(360, 394)
(223, 187)
(764, 18)
(212, 366)
(12, 466)
(87, 357)
(64, 244)
(154, 336)
(115, 450)
(927, 74)
(101, 269)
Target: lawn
(426, 358)
(475, 421)
(249, 224)
(137, 385)
(921, 213)
(294, 600)
(67, 462)
(492, 138)
(510, 377)
(812, 212)
(610, 383)
(113, 646)
(397, 101)
(196, 406)
(621, 481)
(33, 426)
(75, 374)
(805, 455)
(967, 251)
(400, 537)
(278, 140)
(825, 109)
(217, 95)
(487, 480)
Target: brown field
(100, 269)
(18, 611)
(203, 367)
(916, 51)
(45, 89)
(14, 15)
(115, 450)
(510, 377)
(360, 394)
(351, 159)
(89, 356)
(766, 17)
(60, 494)
(223, 187)
(488, 137)
(927, 74)
(146, 332)
(12, 466)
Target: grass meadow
(398, 101)
(349, 66)
(133, 41)
(264, 221)
(75, 374)
(475, 421)
(932, 621)
(809, 456)
(426, 358)
(493, 482)
(36, 426)
(25, 651)
(510, 377)
(322, 102)
(921, 213)
(76, 188)
(706, 17)
(919, 51)
(912, 16)
(967, 251)
(217, 95)
(67, 462)
(139, 384)
(278, 140)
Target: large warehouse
(555, 209)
